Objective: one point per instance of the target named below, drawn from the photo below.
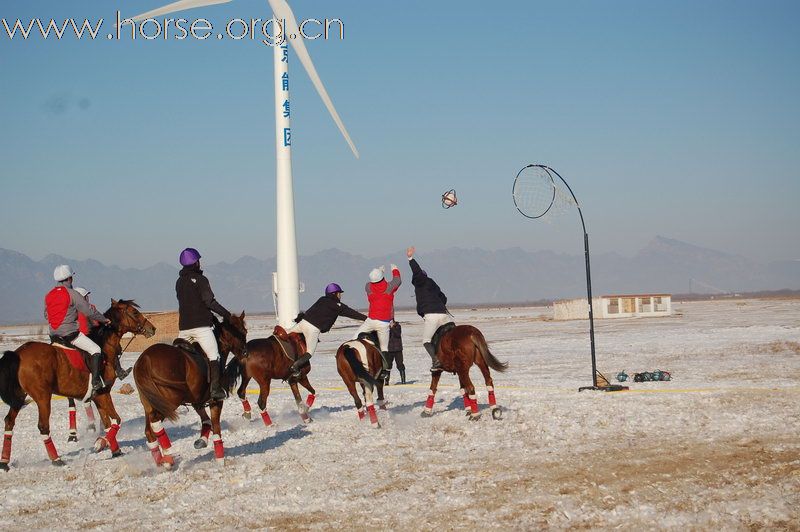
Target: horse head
(125, 317)
(233, 335)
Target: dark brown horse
(168, 377)
(360, 361)
(268, 359)
(41, 370)
(458, 349)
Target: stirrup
(123, 373)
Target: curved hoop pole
(594, 385)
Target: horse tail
(149, 392)
(10, 390)
(233, 372)
(351, 355)
(480, 344)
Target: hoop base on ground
(609, 388)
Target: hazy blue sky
(677, 118)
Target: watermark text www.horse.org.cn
(269, 31)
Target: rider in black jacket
(319, 318)
(196, 302)
(431, 305)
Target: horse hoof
(91, 428)
(427, 413)
(247, 416)
(307, 420)
(101, 444)
(58, 463)
(3, 466)
(474, 417)
(497, 413)
(200, 443)
(72, 439)
(116, 454)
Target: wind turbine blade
(284, 13)
(180, 5)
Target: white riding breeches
(380, 327)
(311, 334)
(85, 344)
(433, 322)
(203, 336)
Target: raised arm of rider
(208, 298)
(395, 283)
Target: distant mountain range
(468, 276)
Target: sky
(676, 118)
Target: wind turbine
(288, 285)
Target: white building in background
(614, 306)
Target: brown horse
(458, 349)
(41, 370)
(168, 377)
(268, 359)
(360, 361)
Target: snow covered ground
(717, 447)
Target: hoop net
(539, 193)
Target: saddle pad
(75, 358)
(361, 349)
(195, 354)
(288, 349)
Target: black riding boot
(95, 362)
(386, 366)
(121, 373)
(435, 365)
(402, 376)
(217, 393)
(294, 371)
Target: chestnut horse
(268, 359)
(168, 377)
(458, 349)
(41, 370)
(360, 361)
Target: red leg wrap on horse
(492, 399)
(51, 449)
(111, 437)
(429, 402)
(246, 405)
(156, 452)
(266, 418)
(205, 430)
(473, 405)
(373, 416)
(361, 413)
(219, 449)
(163, 439)
(6, 456)
(90, 413)
(73, 421)
(467, 402)
(310, 400)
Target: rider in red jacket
(380, 294)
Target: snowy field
(715, 448)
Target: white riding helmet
(376, 275)
(82, 291)
(62, 273)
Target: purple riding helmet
(189, 256)
(332, 289)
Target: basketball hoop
(449, 199)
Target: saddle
(439, 334)
(77, 358)
(195, 353)
(371, 337)
(290, 343)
